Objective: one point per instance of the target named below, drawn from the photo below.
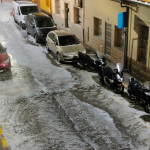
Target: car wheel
(36, 38)
(58, 57)
(15, 20)
(147, 108)
(21, 24)
(27, 30)
(47, 48)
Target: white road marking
(50, 56)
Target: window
(44, 22)
(2, 49)
(77, 15)
(53, 37)
(47, 3)
(97, 26)
(31, 20)
(57, 6)
(68, 40)
(29, 9)
(143, 42)
(78, 3)
(119, 38)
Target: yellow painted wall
(143, 14)
(44, 6)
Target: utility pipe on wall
(126, 40)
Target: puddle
(146, 118)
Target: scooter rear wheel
(119, 90)
(147, 108)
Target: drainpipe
(126, 40)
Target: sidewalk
(111, 64)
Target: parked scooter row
(113, 78)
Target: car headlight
(65, 54)
(84, 52)
(6, 61)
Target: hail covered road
(49, 106)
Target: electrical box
(122, 20)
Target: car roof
(62, 32)
(40, 15)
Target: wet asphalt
(46, 105)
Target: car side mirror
(55, 24)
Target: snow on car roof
(62, 32)
(27, 4)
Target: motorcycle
(87, 62)
(140, 93)
(113, 78)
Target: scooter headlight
(119, 78)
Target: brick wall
(139, 69)
(107, 11)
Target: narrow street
(45, 105)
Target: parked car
(64, 45)
(39, 25)
(4, 59)
(21, 9)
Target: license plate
(1, 70)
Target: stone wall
(139, 68)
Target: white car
(21, 9)
(65, 45)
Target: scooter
(113, 78)
(140, 93)
(87, 62)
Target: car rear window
(2, 50)
(44, 22)
(68, 40)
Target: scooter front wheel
(147, 108)
(119, 90)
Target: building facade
(101, 31)
(139, 38)
(68, 15)
(44, 5)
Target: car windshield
(68, 40)
(29, 9)
(44, 22)
(2, 50)
(119, 66)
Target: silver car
(65, 45)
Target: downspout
(83, 6)
(126, 40)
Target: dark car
(39, 25)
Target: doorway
(67, 15)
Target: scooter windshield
(146, 85)
(119, 67)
